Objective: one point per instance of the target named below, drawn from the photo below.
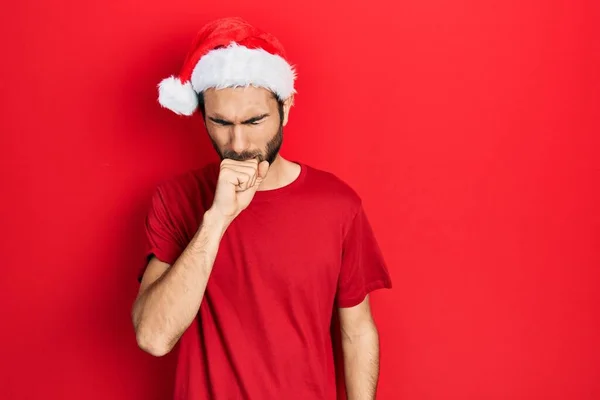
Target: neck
(281, 173)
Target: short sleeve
(161, 233)
(363, 268)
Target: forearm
(361, 363)
(165, 310)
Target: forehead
(239, 102)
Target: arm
(169, 297)
(360, 345)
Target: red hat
(228, 52)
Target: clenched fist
(236, 186)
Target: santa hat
(228, 52)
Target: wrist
(215, 220)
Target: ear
(287, 105)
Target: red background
(469, 128)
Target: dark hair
(279, 105)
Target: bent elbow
(152, 344)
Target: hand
(236, 186)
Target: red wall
(470, 129)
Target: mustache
(232, 155)
(269, 154)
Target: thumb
(263, 168)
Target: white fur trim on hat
(176, 96)
(236, 65)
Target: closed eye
(220, 121)
(251, 121)
(256, 120)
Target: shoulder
(333, 189)
(193, 186)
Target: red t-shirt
(283, 266)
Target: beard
(269, 154)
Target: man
(248, 258)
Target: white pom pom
(177, 97)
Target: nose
(239, 141)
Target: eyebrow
(220, 120)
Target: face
(244, 123)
